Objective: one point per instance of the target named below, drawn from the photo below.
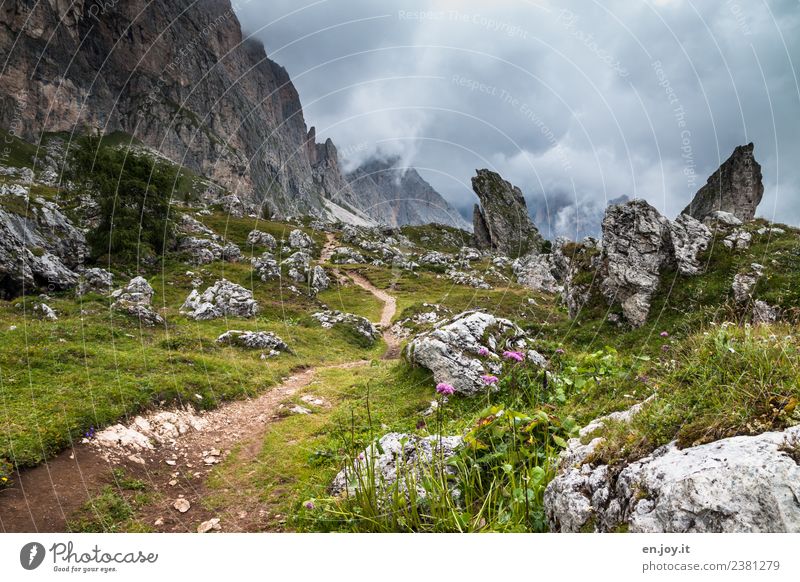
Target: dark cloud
(580, 102)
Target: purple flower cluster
(664, 334)
(560, 352)
(516, 356)
(483, 352)
(445, 389)
(89, 434)
(488, 379)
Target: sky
(576, 102)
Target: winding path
(45, 497)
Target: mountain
(175, 75)
(397, 196)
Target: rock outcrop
(539, 272)
(222, 299)
(636, 245)
(738, 484)
(396, 196)
(39, 246)
(501, 223)
(735, 187)
(397, 460)
(253, 340)
(354, 323)
(462, 349)
(95, 280)
(135, 299)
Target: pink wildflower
(516, 356)
(489, 379)
(444, 389)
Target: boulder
(452, 351)
(358, 324)
(538, 272)
(319, 279)
(263, 239)
(223, 299)
(135, 300)
(254, 340)
(95, 280)
(202, 251)
(399, 460)
(721, 218)
(266, 267)
(190, 225)
(690, 237)
(468, 279)
(735, 187)
(738, 484)
(744, 283)
(738, 240)
(347, 256)
(300, 240)
(44, 311)
(501, 222)
(637, 244)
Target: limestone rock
(262, 239)
(44, 311)
(202, 251)
(254, 340)
(347, 256)
(360, 325)
(397, 459)
(95, 280)
(135, 300)
(223, 299)
(738, 240)
(735, 187)
(637, 244)
(502, 223)
(538, 272)
(452, 350)
(690, 237)
(744, 283)
(300, 240)
(266, 267)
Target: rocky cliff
(735, 187)
(502, 222)
(176, 75)
(397, 196)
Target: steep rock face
(502, 223)
(398, 196)
(735, 187)
(39, 246)
(177, 76)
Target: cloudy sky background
(576, 102)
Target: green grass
(113, 508)
(16, 152)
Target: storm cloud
(576, 102)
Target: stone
(44, 311)
(690, 237)
(637, 244)
(38, 249)
(360, 325)
(738, 484)
(182, 504)
(300, 240)
(190, 225)
(435, 258)
(347, 256)
(95, 280)
(223, 299)
(254, 340)
(739, 240)
(395, 460)
(720, 217)
(736, 187)
(501, 223)
(744, 283)
(538, 272)
(266, 267)
(135, 299)
(202, 251)
(319, 279)
(207, 526)
(262, 239)
(468, 279)
(764, 313)
(451, 351)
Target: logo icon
(31, 555)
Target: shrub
(133, 190)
